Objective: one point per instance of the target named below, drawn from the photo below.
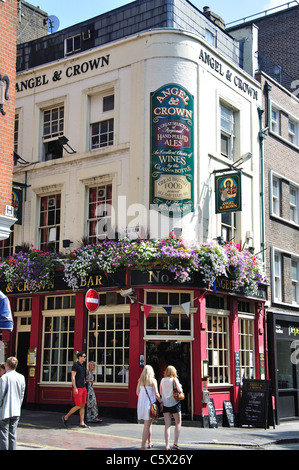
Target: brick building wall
(282, 159)
(32, 22)
(8, 28)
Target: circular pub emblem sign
(92, 300)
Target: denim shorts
(172, 409)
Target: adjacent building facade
(140, 131)
(8, 23)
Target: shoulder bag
(178, 396)
(154, 410)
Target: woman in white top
(146, 383)
(170, 405)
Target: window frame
(108, 204)
(295, 281)
(105, 314)
(61, 365)
(45, 245)
(214, 368)
(104, 119)
(73, 48)
(229, 135)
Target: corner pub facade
(105, 95)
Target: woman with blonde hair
(147, 391)
(171, 407)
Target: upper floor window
(99, 212)
(49, 222)
(53, 128)
(210, 37)
(228, 131)
(72, 44)
(228, 226)
(277, 277)
(275, 197)
(294, 194)
(293, 132)
(295, 282)
(101, 121)
(275, 124)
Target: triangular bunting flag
(186, 307)
(168, 310)
(147, 309)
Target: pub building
(137, 128)
(214, 337)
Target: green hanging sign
(172, 152)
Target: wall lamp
(63, 141)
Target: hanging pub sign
(228, 193)
(17, 198)
(172, 153)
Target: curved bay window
(58, 338)
(108, 341)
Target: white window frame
(275, 198)
(73, 48)
(295, 280)
(293, 131)
(229, 134)
(104, 211)
(277, 276)
(106, 118)
(294, 206)
(275, 120)
(246, 346)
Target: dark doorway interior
(160, 354)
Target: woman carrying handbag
(147, 391)
(171, 392)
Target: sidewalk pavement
(44, 430)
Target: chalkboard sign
(212, 414)
(228, 414)
(255, 403)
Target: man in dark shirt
(79, 390)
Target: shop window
(58, 348)
(49, 222)
(218, 349)
(24, 304)
(53, 128)
(108, 346)
(246, 345)
(57, 302)
(99, 213)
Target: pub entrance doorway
(160, 354)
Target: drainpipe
(262, 136)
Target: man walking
(79, 390)
(12, 390)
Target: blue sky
(70, 12)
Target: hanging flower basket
(34, 268)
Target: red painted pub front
(214, 337)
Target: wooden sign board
(212, 414)
(255, 403)
(228, 414)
